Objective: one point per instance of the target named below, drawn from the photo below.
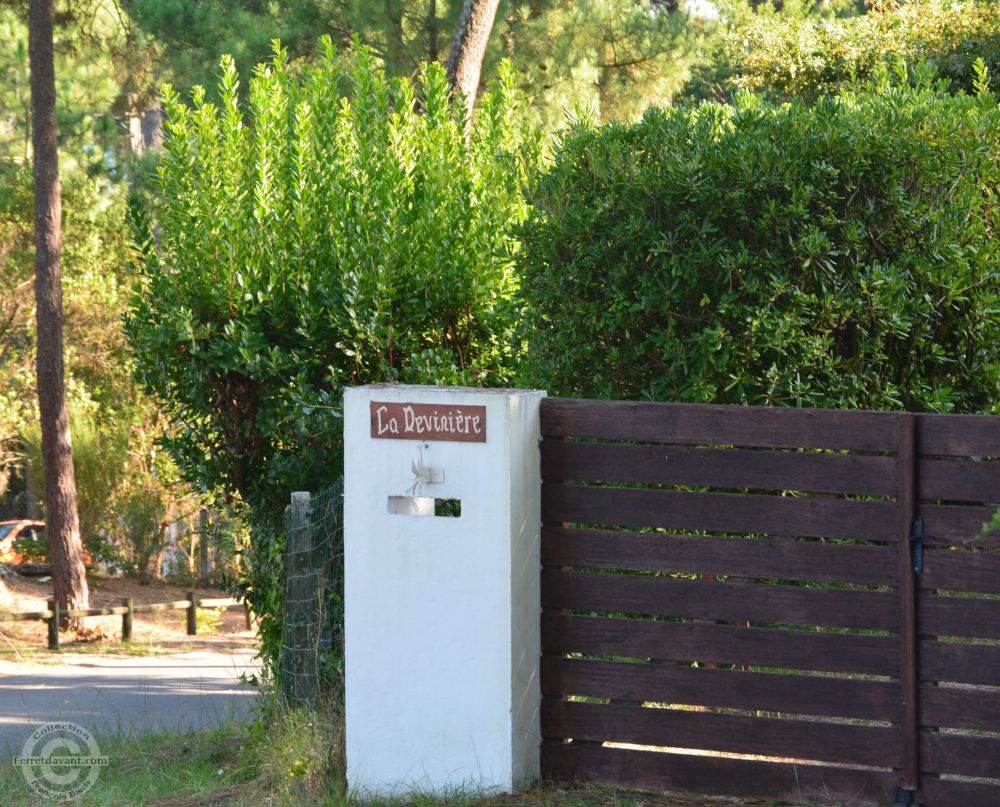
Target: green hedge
(340, 230)
(843, 254)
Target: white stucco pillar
(441, 612)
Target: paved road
(176, 692)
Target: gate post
(442, 521)
(908, 635)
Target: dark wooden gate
(730, 605)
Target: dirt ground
(161, 632)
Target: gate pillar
(441, 555)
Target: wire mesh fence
(14, 506)
(313, 635)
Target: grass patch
(286, 759)
(152, 767)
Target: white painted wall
(442, 614)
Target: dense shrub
(837, 255)
(100, 465)
(810, 56)
(310, 242)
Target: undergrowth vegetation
(289, 759)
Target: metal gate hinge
(917, 539)
(902, 798)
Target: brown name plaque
(411, 421)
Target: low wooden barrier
(53, 614)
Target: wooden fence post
(127, 620)
(297, 652)
(192, 613)
(54, 625)
(203, 547)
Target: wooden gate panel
(721, 644)
(959, 708)
(962, 436)
(714, 775)
(711, 425)
(722, 468)
(720, 512)
(965, 756)
(960, 663)
(727, 602)
(965, 571)
(959, 525)
(961, 617)
(958, 479)
(739, 557)
(738, 734)
(809, 534)
(849, 698)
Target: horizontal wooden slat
(709, 554)
(707, 424)
(161, 606)
(959, 616)
(721, 512)
(959, 480)
(736, 734)
(949, 793)
(116, 610)
(823, 696)
(964, 756)
(732, 602)
(721, 468)
(960, 663)
(960, 525)
(959, 435)
(720, 644)
(960, 708)
(959, 570)
(25, 616)
(799, 784)
(218, 602)
(752, 779)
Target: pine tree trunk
(69, 581)
(465, 62)
(432, 32)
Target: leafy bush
(310, 242)
(208, 620)
(33, 549)
(94, 257)
(100, 457)
(135, 535)
(811, 57)
(844, 255)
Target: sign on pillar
(441, 557)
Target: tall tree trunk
(395, 40)
(465, 62)
(432, 32)
(69, 581)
